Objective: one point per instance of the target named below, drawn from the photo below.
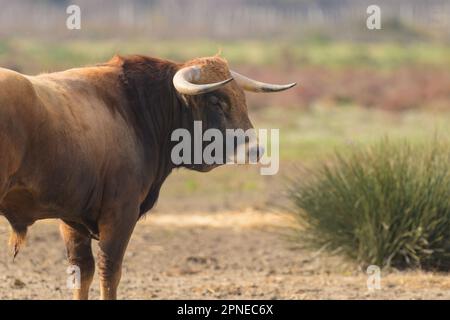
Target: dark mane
(147, 84)
(155, 111)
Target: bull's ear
(256, 86)
(182, 81)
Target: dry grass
(385, 204)
(248, 218)
(228, 255)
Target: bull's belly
(22, 208)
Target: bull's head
(215, 94)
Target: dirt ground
(224, 255)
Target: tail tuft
(17, 240)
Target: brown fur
(91, 147)
(17, 240)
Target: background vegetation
(387, 205)
(355, 87)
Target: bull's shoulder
(88, 84)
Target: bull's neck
(154, 107)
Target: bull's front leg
(115, 229)
(79, 253)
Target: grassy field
(215, 235)
(305, 138)
(337, 103)
(34, 55)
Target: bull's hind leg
(79, 253)
(115, 232)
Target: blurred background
(216, 235)
(355, 85)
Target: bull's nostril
(255, 153)
(261, 151)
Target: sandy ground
(225, 255)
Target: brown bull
(91, 147)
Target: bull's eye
(224, 106)
(218, 102)
(213, 100)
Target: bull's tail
(17, 239)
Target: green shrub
(387, 204)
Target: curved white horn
(256, 86)
(182, 80)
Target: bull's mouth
(248, 153)
(206, 167)
(241, 155)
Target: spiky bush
(387, 204)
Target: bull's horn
(256, 86)
(182, 80)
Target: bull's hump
(9, 78)
(15, 87)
